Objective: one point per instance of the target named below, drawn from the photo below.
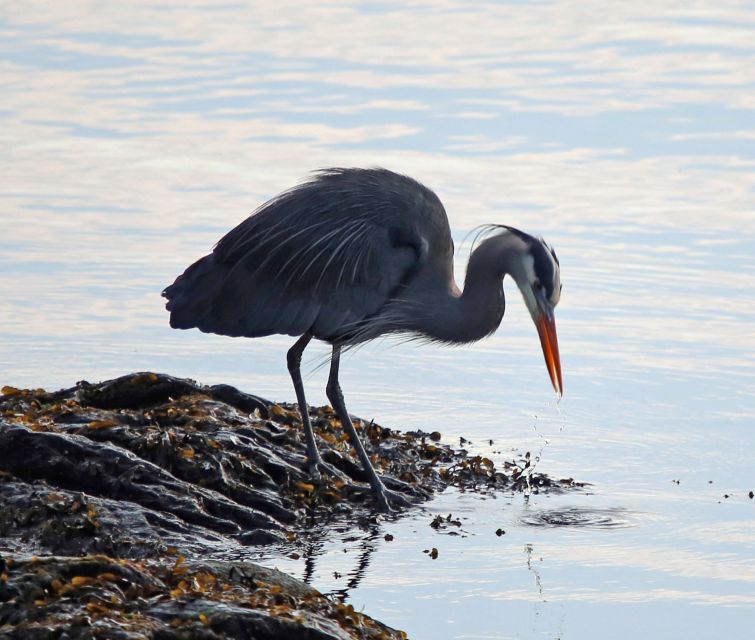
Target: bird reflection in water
(316, 548)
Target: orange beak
(546, 328)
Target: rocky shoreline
(123, 500)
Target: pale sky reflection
(630, 596)
(131, 140)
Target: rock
(98, 597)
(123, 500)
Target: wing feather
(323, 257)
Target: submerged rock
(137, 491)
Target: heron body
(354, 254)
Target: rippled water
(579, 518)
(132, 138)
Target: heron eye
(537, 285)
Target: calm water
(623, 132)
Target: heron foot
(405, 487)
(317, 467)
(388, 501)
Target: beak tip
(546, 328)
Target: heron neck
(477, 311)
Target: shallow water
(131, 140)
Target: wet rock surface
(123, 502)
(99, 597)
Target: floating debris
(444, 525)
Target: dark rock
(133, 494)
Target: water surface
(624, 133)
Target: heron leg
(293, 358)
(385, 497)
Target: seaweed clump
(99, 597)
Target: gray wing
(323, 257)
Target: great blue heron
(354, 254)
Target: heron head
(538, 275)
